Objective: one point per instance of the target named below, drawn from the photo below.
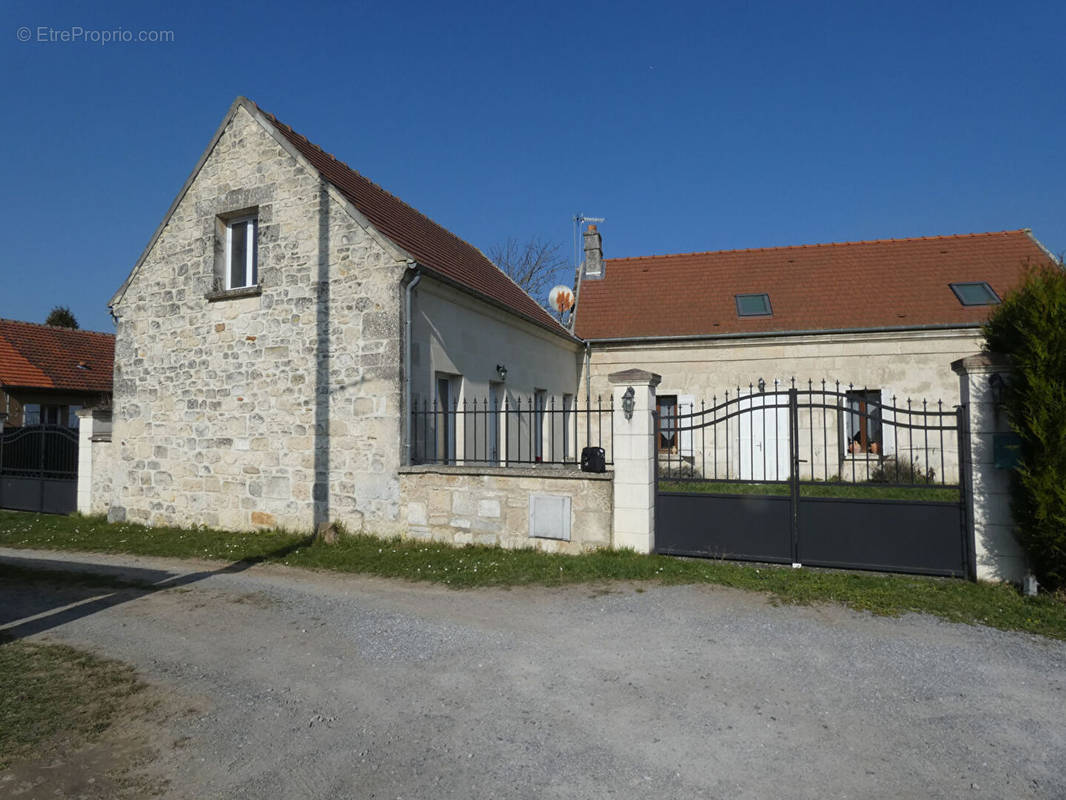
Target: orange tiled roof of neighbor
(432, 245)
(882, 283)
(49, 357)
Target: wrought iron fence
(39, 451)
(824, 433)
(516, 431)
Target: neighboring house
(883, 318)
(286, 322)
(48, 373)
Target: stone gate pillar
(985, 469)
(94, 432)
(633, 391)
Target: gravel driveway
(301, 684)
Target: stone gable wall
(221, 416)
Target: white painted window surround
(686, 407)
(242, 252)
(540, 400)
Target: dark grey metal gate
(822, 476)
(39, 469)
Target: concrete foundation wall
(490, 506)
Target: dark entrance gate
(821, 476)
(39, 469)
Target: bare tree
(535, 265)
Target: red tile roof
(46, 357)
(430, 244)
(888, 283)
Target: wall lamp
(629, 402)
(762, 385)
(501, 371)
(997, 386)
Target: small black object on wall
(593, 459)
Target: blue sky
(689, 127)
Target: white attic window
(242, 252)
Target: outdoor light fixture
(762, 385)
(628, 402)
(997, 386)
(501, 371)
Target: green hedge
(1029, 327)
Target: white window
(446, 408)
(495, 404)
(540, 401)
(863, 421)
(242, 252)
(568, 424)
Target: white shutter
(686, 404)
(889, 432)
(746, 443)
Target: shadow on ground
(68, 589)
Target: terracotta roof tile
(850, 285)
(46, 357)
(430, 244)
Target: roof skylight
(977, 293)
(754, 305)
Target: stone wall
(490, 506)
(279, 408)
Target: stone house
(883, 319)
(297, 346)
(48, 373)
(280, 329)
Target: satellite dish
(561, 298)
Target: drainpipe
(588, 396)
(408, 294)
(588, 376)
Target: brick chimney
(593, 253)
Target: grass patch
(861, 491)
(999, 606)
(56, 696)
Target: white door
(762, 444)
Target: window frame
(251, 251)
(540, 405)
(958, 285)
(446, 390)
(856, 407)
(769, 312)
(674, 427)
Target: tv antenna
(580, 218)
